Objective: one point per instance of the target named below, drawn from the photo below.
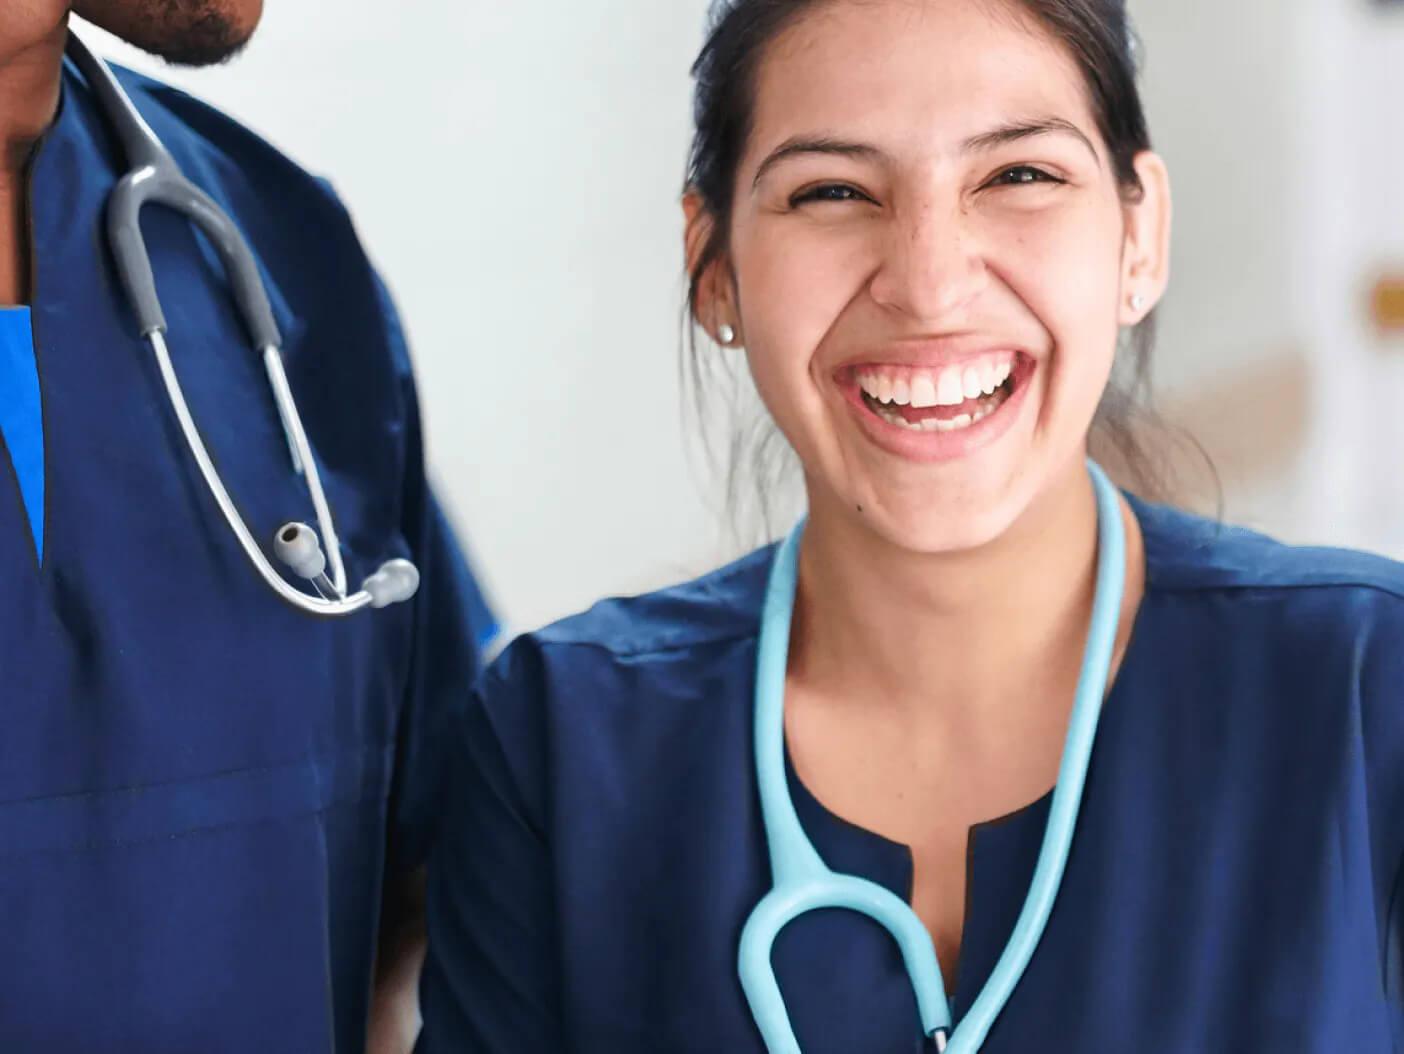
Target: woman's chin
(932, 528)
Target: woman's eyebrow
(1013, 132)
(807, 144)
(1018, 130)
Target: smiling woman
(806, 174)
(1095, 38)
(930, 224)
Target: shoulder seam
(1248, 587)
(546, 641)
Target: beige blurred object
(394, 1014)
(1387, 303)
(1213, 443)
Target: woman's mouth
(938, 411)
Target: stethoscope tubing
(801, 882)
(156, 178)
(318, 605)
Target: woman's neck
(968, 640)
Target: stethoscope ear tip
(395, 582)
(297, 545)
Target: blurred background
(515, 175)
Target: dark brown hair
(1098, 36)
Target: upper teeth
(946, 386)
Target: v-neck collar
(1000, 857)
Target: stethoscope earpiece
(300, 550)
(396, 581)
(297, 546)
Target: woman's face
(931, 260)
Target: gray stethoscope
(155, 177)
(803, 883)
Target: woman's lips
(938, 413)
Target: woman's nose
(931, 268)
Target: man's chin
(182, 32)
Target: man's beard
(183, 32)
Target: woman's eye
(828, 192)
(1020, 175)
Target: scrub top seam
(1157, 586)
(95, 845)
(660, 651)
(209, 777)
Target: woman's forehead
(913, 75)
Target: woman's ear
(1145, 258)
(712, 307)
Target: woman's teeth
(940, 424)
(948, 386)
(979, 387)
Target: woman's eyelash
(828, 192)
(1015, 176)
(1022, 175)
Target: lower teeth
(938, 424)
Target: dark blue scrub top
(201, 789)
(1232, 887)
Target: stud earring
(726, 334)
(1137, 302)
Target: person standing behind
(214, 807)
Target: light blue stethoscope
(802, 881)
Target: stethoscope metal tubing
(156, 178)
(305, 463)
(316, 605)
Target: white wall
(1217, 78)
(515, 176)
(1220, 85)
(1356, 208)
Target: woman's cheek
(1070, 282)
(792, 294)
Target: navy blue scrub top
(201, 788)
(1232, 887)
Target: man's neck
(31, 64)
